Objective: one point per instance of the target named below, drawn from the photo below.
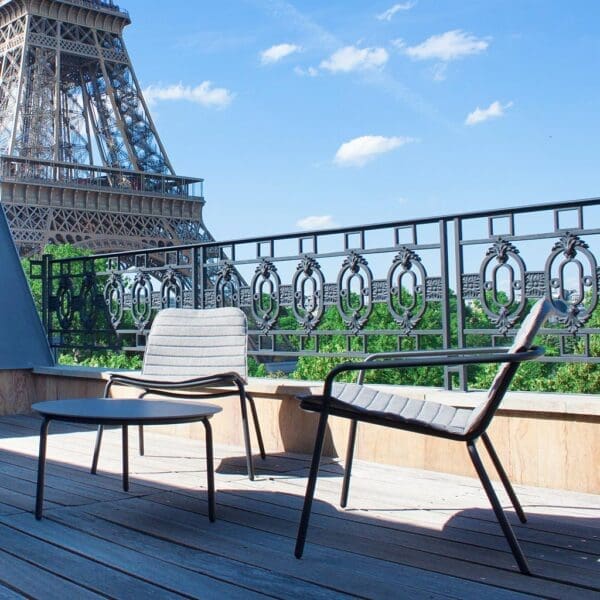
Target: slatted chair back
(482, 415)
(196, 343)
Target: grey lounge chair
(188, 354)
(361, 403)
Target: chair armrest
(446, 359)
(428, 353)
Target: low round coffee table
(125, 412)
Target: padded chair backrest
(185, 342)
(540, 311)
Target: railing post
(46, 288)
(460, 313)
(446, 317)
(198, 277)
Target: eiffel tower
(80, 159)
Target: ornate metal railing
(30, 170)
(452, 281)
(103, 4)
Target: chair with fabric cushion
(194, 354)
(359, 402)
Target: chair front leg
(504, 477)
(310, 487)
(348, 463)
(261, 445)
(493, 498)
(246, 430)
(39, 493)
(210, 471)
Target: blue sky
(345, 112)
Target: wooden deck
(408, 533)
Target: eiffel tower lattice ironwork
(80, 158)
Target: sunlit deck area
(406, 533)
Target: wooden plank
(74, 473)
(547, 545)
(451, 541)
(49, 558)
(248, 577)
(32, 582)
(63, 484)
(474, 563)
(134, 562)
(8, 594)
(345, 571)
(403, 524)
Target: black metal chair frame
(188, 389)
(325, 405)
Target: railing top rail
(4, 158)
(530, 208)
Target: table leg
(97, 449)
(210, 471)
(125, 438)
(39, 495)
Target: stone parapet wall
(546, 440)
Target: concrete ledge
(527, 402)
(547, 440)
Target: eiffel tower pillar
(80, 159)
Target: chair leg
(210, 471)
(249, 463)
(493, 498)
(348, 463)
(39, 493)
(261, 445)
(141, 439)
(97, 449)
(504, 478)
(310, 487)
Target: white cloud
(493, 111)
(204, 94)
(309, 72)
(398, 43)
(316, 222)
(276, 53)
(448, 46)
(438, 71)
(361, 150)
(387, 15)
(351, 58)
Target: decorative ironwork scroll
(227, 286)
(265, 295)
(572, 276)
(171, 290)
(503, 306)
(307, 285)
(407, 280)
(114, 297)
(65, 302)
(354, 284)
(141, 300)
(88, 305)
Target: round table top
(125, 411)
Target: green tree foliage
(317, 367)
